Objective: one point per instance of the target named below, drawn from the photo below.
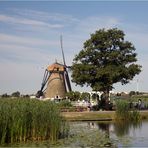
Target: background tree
(73, 95)
(16, 94)
(85, 96)
(105, 59)
(5, 95)
(131, 93)
(95, 97)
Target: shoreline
(96, 115)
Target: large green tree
(105, 59)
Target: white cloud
(39, 19)
(17, 20)
(42, 15)
(26, 49)
(16, 39)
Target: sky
(30, 38)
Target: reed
(135, 115)
(123, 111)
(25, 119)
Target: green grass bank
(96, 115)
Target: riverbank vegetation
(125, 112)
(25, 121)
(22, 120)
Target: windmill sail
(62, 50)
(68, 81)
(66, 73)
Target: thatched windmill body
(56, 79)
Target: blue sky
(30, 37)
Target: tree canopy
(16, 94)
(106, 58)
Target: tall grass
(123, 111)
(24, 119)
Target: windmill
(56, 79)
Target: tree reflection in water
(104, 126)
(120, 127)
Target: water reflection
(91, 125)
(120, 128)
(123, 128)
(104, 126)
(121, 133)
(125, 133)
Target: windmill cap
(56, 67)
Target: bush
(64, 103)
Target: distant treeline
(15, 94)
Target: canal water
(129, 134)
(99, 134)
(122, 134)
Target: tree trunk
(107, 99)
(106, 93)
